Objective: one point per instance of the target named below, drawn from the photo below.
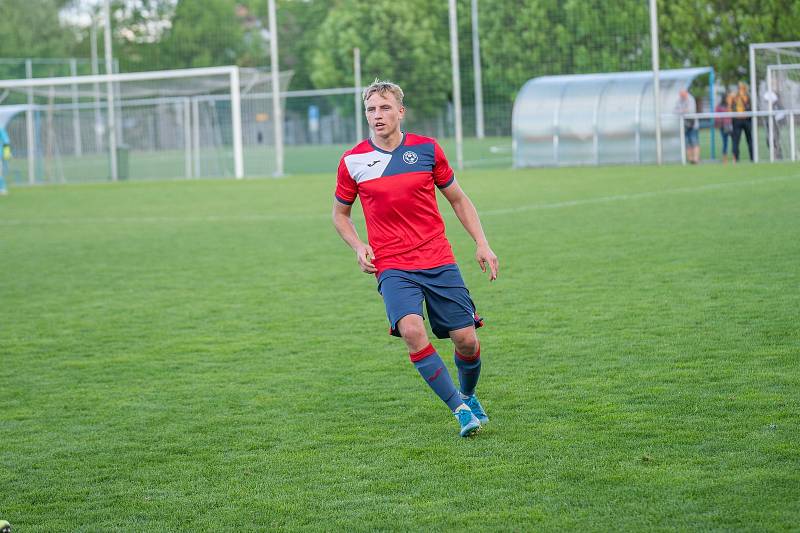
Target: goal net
(773, 80)
(190, 123)
(781, 94)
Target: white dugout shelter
(595, 119)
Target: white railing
(791, 113)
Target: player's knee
(412, 329)
(467, 344)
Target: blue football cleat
(469, 424)
(477, 409)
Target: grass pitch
(206, 355)
(140, 165)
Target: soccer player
(396, 175)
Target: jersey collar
(402, 142)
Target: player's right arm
(346, 192)
(343, 223)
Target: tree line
(405, 41)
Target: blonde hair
(382, 87)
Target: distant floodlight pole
(112, 127)
(187, 137)
(98, 138)
(656, 87)
(456, 85)
(770, 123)
(236, 124)
(476, 65)
(29, 126)
(359, 104)
(277, 117)
(76, 118)
(754, 103)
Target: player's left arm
(468, 215)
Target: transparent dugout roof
(592, 119)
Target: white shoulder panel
(365, 167)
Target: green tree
(204, 33)
(137, 31)
(406, 42)
(299, 22)
(719, 33)
(163, 34)
(31, 29)
(542, 37)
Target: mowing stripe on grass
(488, 212)
(635, 196)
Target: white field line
(635, 196)
(316, 216)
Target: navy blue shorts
(442, 288)
(692, 137)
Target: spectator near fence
(741, 104)
(686, 105)
(725, 124)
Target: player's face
(384, 114)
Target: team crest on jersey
(410, 157)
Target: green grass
(139, 165)
(206, 355)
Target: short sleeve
(346, 187)
(443, 175)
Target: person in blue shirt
(5, 155)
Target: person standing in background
(725, 124)
(5, 155)
(686, 105)
(741, 104)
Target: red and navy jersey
(398, 195)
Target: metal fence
(779, 131)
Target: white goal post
(782, 89)
(231, 73)
(789, 49)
